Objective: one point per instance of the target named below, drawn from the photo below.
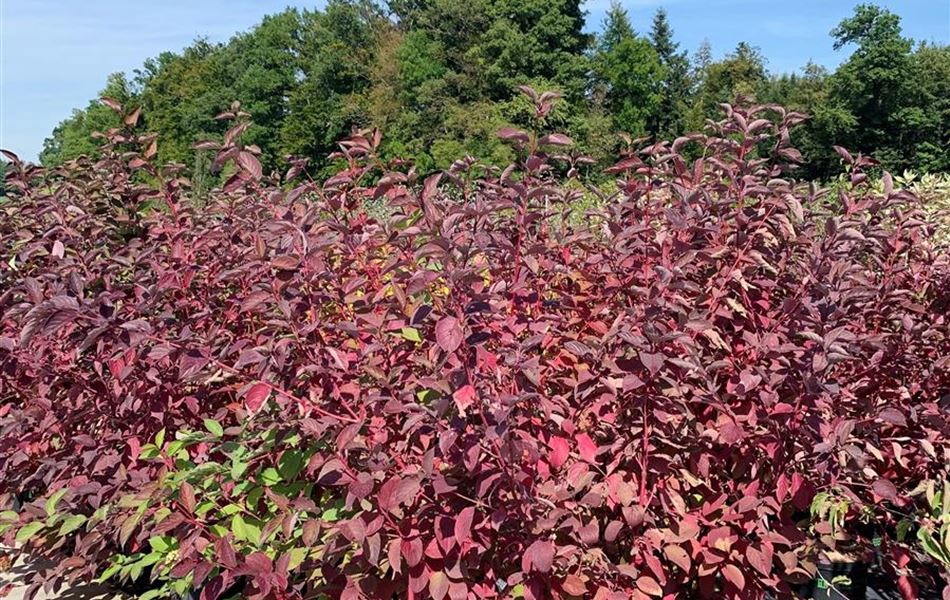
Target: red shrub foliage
(466, 390)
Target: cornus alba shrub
(383, 386)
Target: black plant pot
(841, 581)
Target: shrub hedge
(471, 390)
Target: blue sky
(56, 54)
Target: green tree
(260, 67)
(740, 74)
(874, 83)
(629, 74)
(530, 40)
(440, 76)
(335, 57)
(927, 129)
(669, 120)
(698, 72)
(829, 121)
(180, 96)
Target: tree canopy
(440, 77)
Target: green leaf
(297, 556)
(160, 438)
(270, 477)
(427, 396)
(162, 514)
(332, 513)
(175, 447)
(181, 586)
(238, 468)
(109, 573)
(411, 334)
(71, 524)
(189, 437)
(253, 497)
(230, 509)
(53, 500)
(244, 531)
(149, 451)
(150, 559)
(28, 531)
(931, 546)
(291, 464)
(100, 514)
(239, 528)
(214, 427)
(160, 543)
(202, 509)
(818, 503)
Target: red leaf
(310, 530)
(648, 585)
(574, 585)
(678, 557)
(464, 397)
(844, 154)
(213, 589)
(781, 488)
(431, 186)
(759, 561)
(652, 362)
(285, 262)
(539, 557)
(250, 164)
(555, 139)
(586, 447)
(397, 491)
(463, 524)
(893, 416)
(511, 134)
(420, 314)
(186, 494)
(438, 585)
(132, 118)
(113, 104)
(560, 450)
(255, 397)
(225, 554)
(257, 563)
(734, 576)
(412, 551)
(885, 489)
(448, 333)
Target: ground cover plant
(386, 385)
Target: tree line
(439, 77)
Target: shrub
(473, 393)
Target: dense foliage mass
(437, 76)
(467, 386)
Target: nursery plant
(460, 385)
